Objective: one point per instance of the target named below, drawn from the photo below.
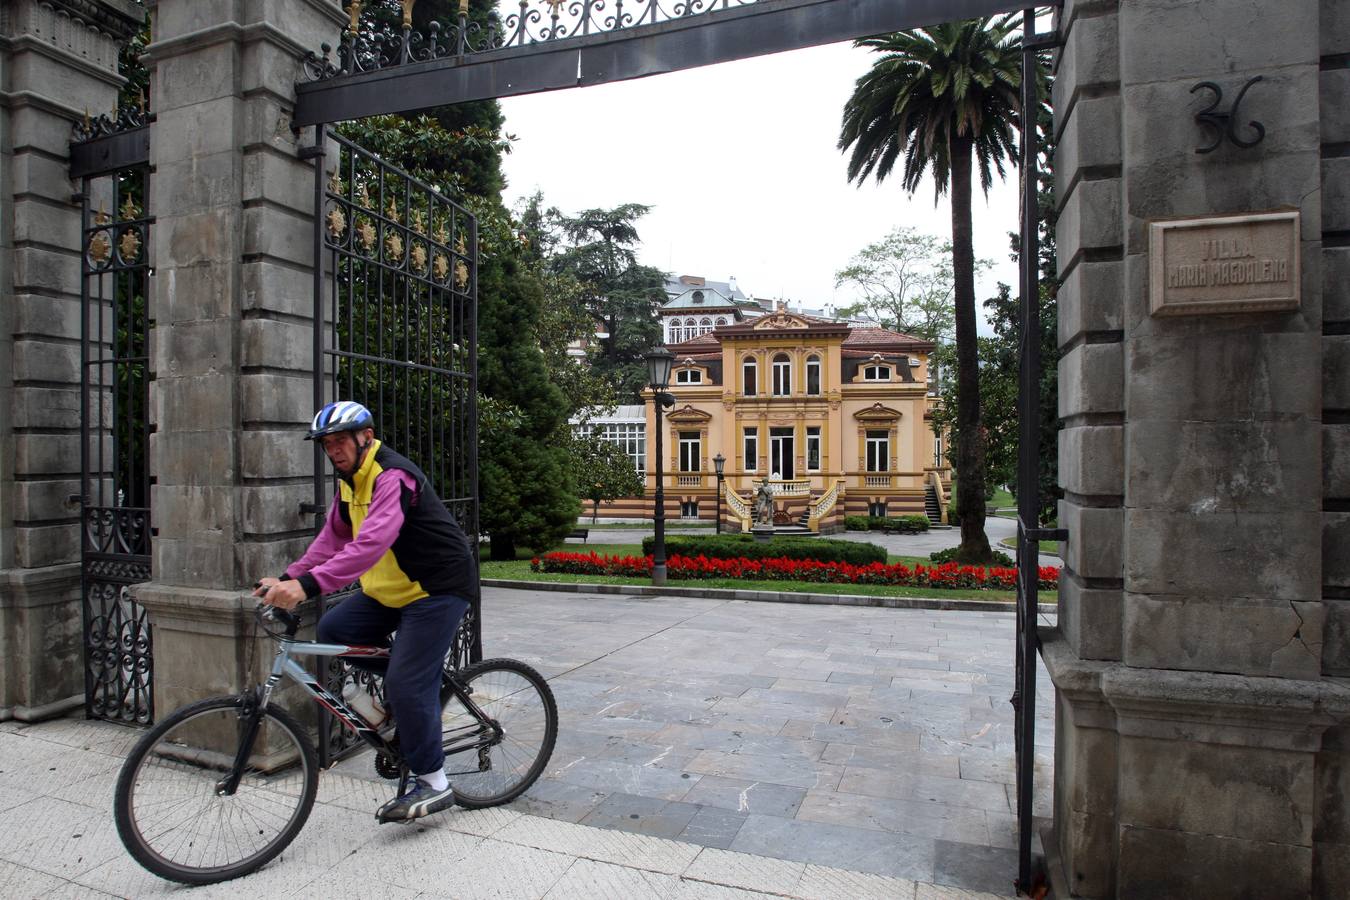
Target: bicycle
(220, 787)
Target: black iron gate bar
(114, 433)
(395, 287)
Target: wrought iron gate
(114, 415)
(395, 305)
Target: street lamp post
(659, 362)
(720, 463)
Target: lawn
(1051, 547)
(519, 570)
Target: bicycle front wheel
(175, 818)
(488, 768)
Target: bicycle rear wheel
(500, 768)
(170, 813)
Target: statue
(764, 504)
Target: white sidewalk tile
(602, 844)
(21, 883)
(744, 870)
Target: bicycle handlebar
(265, 613)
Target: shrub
(857, 523)
(678, 567)
(744, 546)
(949, 555)
(904, 524)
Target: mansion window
(631, 438)
(878, 451)
(813, 375)
(748, 377)
(688, 509)
(690, 455)
(813, 448)
(689, 376)
(782, 375)
(937, 450)
(876, 373)
(877, 510)
(750, 449)
(721, 320)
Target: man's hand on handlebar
(281, 594)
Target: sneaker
(419, 800)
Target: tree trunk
(595, 512)
(970, 473)
(502, 548)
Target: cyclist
(388, 527)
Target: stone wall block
(1090, 140)
(61, 83)
(204, 511)
(199, 184)
(48, 454)
(1336, 461)
(36, 174)
(280, 180)
(187, 80)
(1091, 619)
(1335, 111)
(1335, 540)
(276, 454)
(196, 132)
(204, 560)
(194, 293)
(1090, 300)
(1332, 815)
(1088, 62)
(1091, 380)
(1336, 284)
(1253, 793)
(1263, 638)
(1232, 372)
(50, 408)
(277, 233)
(1095, 539)
(1090, 218)
(183, 349)
(256, 559)
(279, 289)
(1092, 460)
(41, 635)
(275, 508)
(1336, 371)
(51, 545)
(36, 222)
(52, 270)
(1336, 193)
(1158, 864)
(1160, 40)
(1336, 638)
(205, 238)
(37, 316)
(1331, 870)
(277, 345)
(274, 399)
(1266, 556)
(195, 402)
(193, 458)
(1210, 467)
(38, 501)
(1088, 847)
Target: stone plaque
(1224, 264)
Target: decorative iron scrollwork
(367, 47)
(1223, 124)
(124, 119)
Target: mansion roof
(859, 340)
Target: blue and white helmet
(344, 415)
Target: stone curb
(647, 590)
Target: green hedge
(732, 546)
(948, 555)
(902, 524)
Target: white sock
(436, 780)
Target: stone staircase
(931, 506)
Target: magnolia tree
(603, 471)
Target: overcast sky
(739, 164)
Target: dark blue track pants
(412, 681)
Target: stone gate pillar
(58, 61)
(1203, 645)
(233, 308)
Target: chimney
(780, 306)
(731, 285)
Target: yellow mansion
(835, 415)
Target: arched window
(721, 320)
(748, 377)
(782, 375)
(705, 325)
(813, 374)
(876, 373)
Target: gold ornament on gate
(440, 266)
(393, 241)
(419, 251)
(366, 232)
(100, 248)
(337, 222)
(335, 184)
(461, 270)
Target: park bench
(582, 533)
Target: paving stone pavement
(707, 749)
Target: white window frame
(630, 437)
(874, 372)
(689, 376)
(750, 448)
(878, 450)
(813, 442)
(691, 452)
(781, 381)
(750, 377)
(813, 367)
(786, 445)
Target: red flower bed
(946, 575)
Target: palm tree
(944, 96)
